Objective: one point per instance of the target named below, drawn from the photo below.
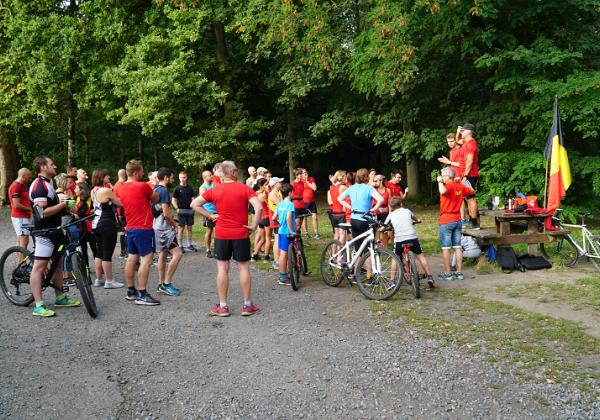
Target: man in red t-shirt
(136, 197)
(20, 213)
(231, 200)
(298, 200)
(450, 225)
(453, 159)
(469, 161)
(308, 197)
(395, 186)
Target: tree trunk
(86, 145)
(155, 152)
(291, 140)
(9, 163)
(225, 78)
(71, 132)
(412, 176)
(141, 148)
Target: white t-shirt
(403, 225)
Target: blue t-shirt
(160, 222)
(282, 210)
(209, 206)
(361, 197)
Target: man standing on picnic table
(469, 160)
(231, 200)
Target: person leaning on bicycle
(285, 215)
(43, 195)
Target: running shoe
(43, 311)
(209, 254)
(69, 282)
(255, 258)
(458, 275)
(445, 277)
(168, 289)
(65, 302)
(132, 295)
(430, 281)
(99, 283)
(183, 251)
(275, 265)
(250, 310)
(305, 234)
(267, 258)
(218, 311)
(192, 248)
(146, 299)
(317, 236)
(284, 282)
(154, 262)
(113, 285)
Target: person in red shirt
(136, 196)
(298, 200)
(20, 212)
(337, 213)
(453, 160)
(71, 172)
(452, 194)
(395, 185)
(122, 175)
(469, 160)
(384, 210)
(231, 200)
(308, 197)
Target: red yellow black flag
(560, 173)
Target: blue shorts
(140, 241)
(283, 242)
(450, 234)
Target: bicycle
(375, 268)
(14, 279)
(297, 264)
(567, 248)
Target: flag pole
(546, 187)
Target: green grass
(585, 293)
(536, 347)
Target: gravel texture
(317, 352)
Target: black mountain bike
(296, 260)
(16, 265)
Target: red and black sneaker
(217, 310)
(250, 310)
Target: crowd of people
(156, 225)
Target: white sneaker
(99, 283)
(113, 285)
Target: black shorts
(301, 211)
(357, 228)
(473, 180)
(336, 218)
(185, 220)
(209, 223)
(381, 217)
(416, 246)
(263, 223)
(312, 207)
(106, 241)
(238, 248)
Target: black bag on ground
(507, 260)
(531, 262)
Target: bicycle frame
(369, 237)
(588, 241)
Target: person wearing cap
(469, 160)
(251, 180)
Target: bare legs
(223, 280)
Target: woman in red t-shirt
(383, 210)
(263, 235)
(337, 213)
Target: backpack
(157, 207)
(532, 262)
(507, 259)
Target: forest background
(318, 84)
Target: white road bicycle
(567, 247)
(375, 269)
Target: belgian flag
(560, 173)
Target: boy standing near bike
(43, 195)
(402, 221)
(285, 213)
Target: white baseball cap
(274, 181)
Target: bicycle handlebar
(37, 232)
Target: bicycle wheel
(16, 264)
(412, 278)
(382, 281)
(595, 249)
(303, 264)
(84, 283)
(332, 273)
(563, 249)
(293, 268)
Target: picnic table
(509, 230)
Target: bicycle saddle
(585, 213)
(28, 226)
(293, 235)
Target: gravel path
(312, 353)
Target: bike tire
(293, 269)
(383, 285)
(303, 264)
(415, 283)
(595, 249)
(84, 284)
(332, 275)
(14, 275)
(563, 248)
